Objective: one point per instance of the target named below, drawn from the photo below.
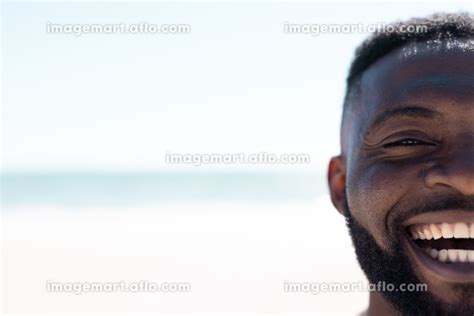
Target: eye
(407, 142)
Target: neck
(379, 306)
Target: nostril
(460, 179)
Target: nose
(456, 170)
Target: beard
(394, 267)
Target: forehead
(429, 74)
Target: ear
(337, 182)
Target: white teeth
(443, 255)
(462, 255)
(427, 232)
(470, 255)
(442, 230)
(436, 231)
(452, 255)
(461, 230)
(446, 230)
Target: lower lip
(460, 272)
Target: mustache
(459, 202)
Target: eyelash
(407, 142)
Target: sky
(237, 83)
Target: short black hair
(437, 27)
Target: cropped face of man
(405, 176)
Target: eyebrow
(412, 111)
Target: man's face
(407, 166)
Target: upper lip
(446, 216)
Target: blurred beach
(236, 238)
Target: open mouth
(441, 245)
(445, 242)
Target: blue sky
(236, 83)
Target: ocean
(154, 188)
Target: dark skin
(408, 137)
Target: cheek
(374, 190)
